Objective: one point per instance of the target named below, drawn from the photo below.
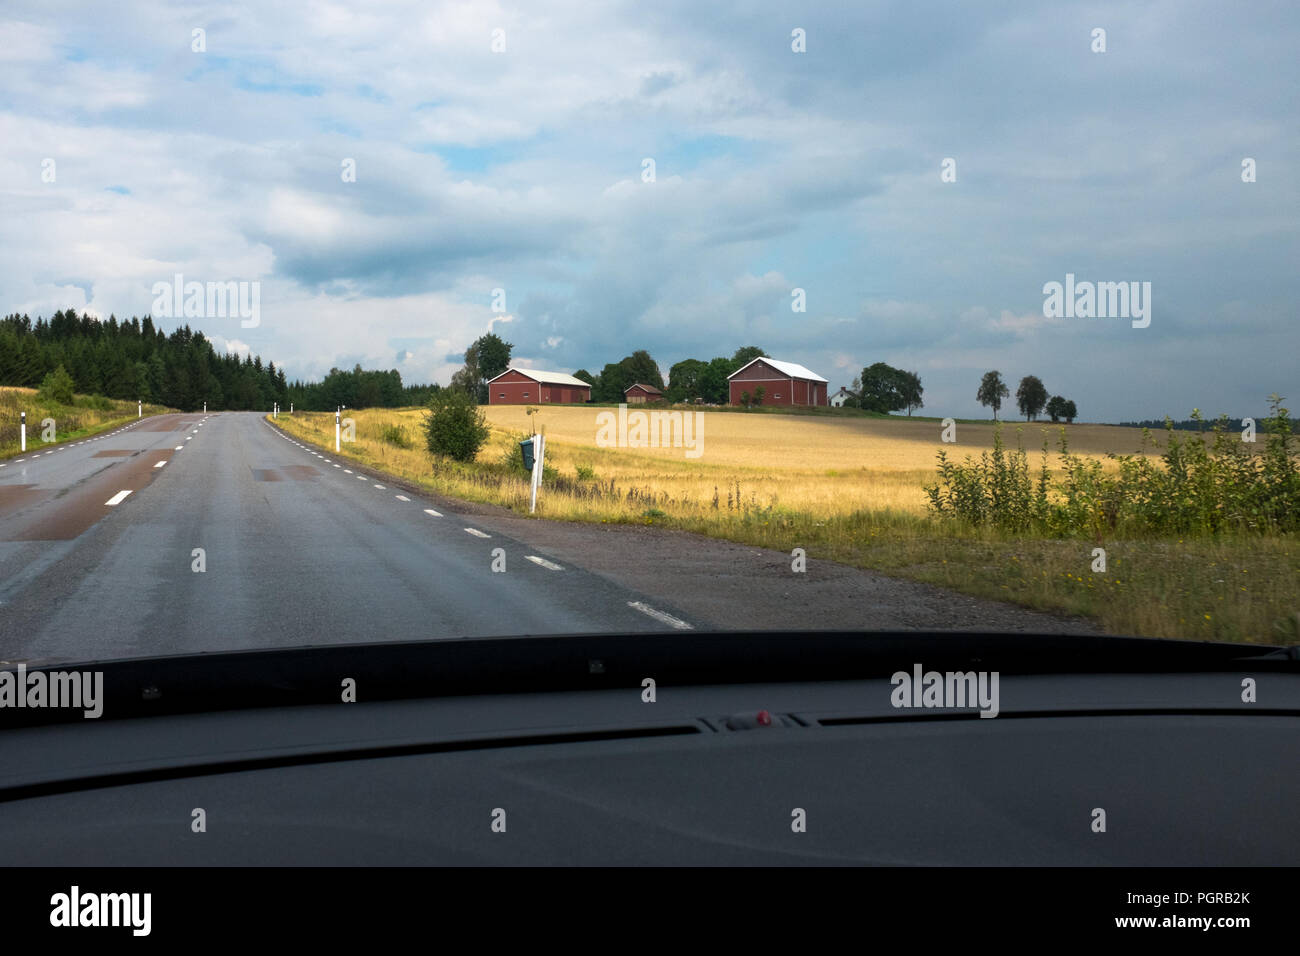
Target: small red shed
(639, 394)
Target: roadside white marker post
(139, 412)
(205, 408)
(291, 408)
(336, 429)
(539, 452)
(24, 432)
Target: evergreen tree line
(133, 359)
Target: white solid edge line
(117, 498)
(549, 565)
(477, 533)
(430, 511)
(660, 616)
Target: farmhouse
(529, 386)
(842, 396)
(783, 383)
(639, 394)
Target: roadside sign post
(23, 430)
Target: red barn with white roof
(530, 386)
(784, 383)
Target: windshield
(331, 325)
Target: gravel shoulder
(725, 585)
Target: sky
(505, 146)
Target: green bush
(1197, 488)
(454, 425)
(585, 472)
(57, 387)
(395, 435)
(99, 403)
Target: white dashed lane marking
(160, 464)
(477, 533)
(117, 498)
(402, 498)
(549, 565)
(430, 511)
(660, 616)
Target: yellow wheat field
(817, 465)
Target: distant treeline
(1192, 425)
(133, 359)
(358, 388)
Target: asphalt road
(98, 542)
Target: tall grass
(1194, 487)
(85, 416)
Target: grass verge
(88, 415)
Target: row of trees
(1031, 398)
(358, 388)
(617, 377)
(133, 359)
(880, 388)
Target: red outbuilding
(529, 386)
(639, 394)
(783, 383)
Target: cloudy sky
(523, 169)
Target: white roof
(793, 369)
(550, 378)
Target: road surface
(187, 533)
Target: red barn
(639, 394)
(529, 386)
(783, 383)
